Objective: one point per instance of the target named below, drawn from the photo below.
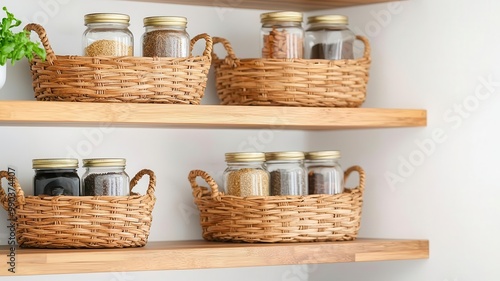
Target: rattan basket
(80, 221)
(272, 219)
(291, 82)
(120, 79)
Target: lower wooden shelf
(175, 255)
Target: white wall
(428, 54)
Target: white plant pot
(3, 74)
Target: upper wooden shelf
(205, 116)
(178, 255)
(295, 5)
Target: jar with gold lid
(325, 175)
(165, 36)
(288, 173)
(107, 34)
(245, 174)
(54, 177)
(282, 35)
(105, 177)
(328, 37)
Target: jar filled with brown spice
(165, 37)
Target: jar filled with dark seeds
(54, 177)
(288, 173)
(105, 177)
(165, 37)
(325, 175)
(328, 37)
(246, 175)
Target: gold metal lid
(245, 157)
(281, 16)
(104, 162)
(285, 155)
(55, 163)
(106, 18)
(328, 19)
(323, 155)
(165, 21)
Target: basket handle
(38, 29)
(4, 199)
(197, 190)
(365, 41)
(152, 181)
(231, 58)
(361, 174)
(208, 44)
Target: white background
(438, 182)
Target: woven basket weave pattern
(120, 79)
(82, 221)
(291, 82)
(272, 219)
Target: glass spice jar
(105, 177)
(107, 35)
(288, 173)
(56, 177)
(165, 37)
(325, 175)
(282, 35)
(328, 37)
(246, 175)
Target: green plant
(15, 46)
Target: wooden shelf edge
(206, 116)
(197, 254)
(274, 5)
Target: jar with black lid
(282, 35)
(165, 37)
(328, 37)
(54, 177)
(105, 177)
(325, 175)
(246, 174)
(288, 173)
(107, 34)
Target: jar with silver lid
(282, 35)
(328, 37)
(245, 174)
(54, 177)
(107, 34)
(165, 37)
(325, 175)
(288, 173)
(105, 177)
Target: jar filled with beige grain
(282, 35)
(246, 175)
(107, 34)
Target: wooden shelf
(205, 116)
(295, 5)
(177, 255)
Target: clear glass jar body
(325, 176)
(331, 40)
(282, 36)
(108, 179)
(288, 177)
(107, 35)
(54, 177)
(165, 37)
(246, 178)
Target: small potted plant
(15, 46)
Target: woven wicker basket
(120, 79)
(291, 82)
(308, 218)
(81, 221)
